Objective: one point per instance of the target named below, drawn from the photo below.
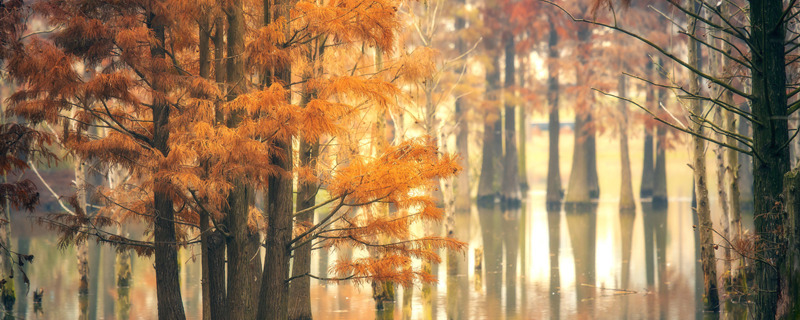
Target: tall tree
(705, 226)
(511, 193)
(554, 189)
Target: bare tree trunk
(511, 194)
(82, 248)
(626, 200)
(8, 294)
(659, 192)
(522, 130)
(492, 132)
(464, 194)
(718, 65)
(701, 189)
(554, 188)
(646, 188)
(583, 184)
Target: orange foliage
(107, 109)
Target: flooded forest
(393, 159)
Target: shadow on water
(582, 228)
(554, 235)
(510, 225)
(627, 217)
(457, 272)
(616, 265)
(654, 219)
(491, 222)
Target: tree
(760, 46)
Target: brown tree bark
(770, 137)
(274, 294)
(300, 286)
(243, 277)
(168, 291)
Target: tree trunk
(745, 163)
(216, 241)
(81, 248)
(8, 294)
(578, 187)
(205, 223)
(626, 200)
(582, 185)
(646, 188)
(591, 151)
(731, 155)
(168, 291)
(300, 286)
(659, 193)
(522, 129)
(554, 188)
(789, 301)
(464, 194)
(274, 294)
(770, 136)
(511, 196)
(242, 278)
(299, 289)
(492, 132)
(718, 66)
(701, 189)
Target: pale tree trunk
(626, 200)
(718, 65)
(511, 194)
(701, 188)
(81, 248)
(384, 291)
(554, 188)
(8, 294)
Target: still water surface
(587, 263)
